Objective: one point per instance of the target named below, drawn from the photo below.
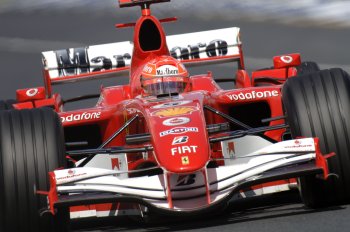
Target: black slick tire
(31, 145)
(318, 105)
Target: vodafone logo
(176, 121)
(32, 92)
(253, 95)
(287, 59)
(80, 117)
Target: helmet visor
(164, 85)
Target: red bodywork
(180, 146)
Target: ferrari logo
(174, 111)
(185, 160)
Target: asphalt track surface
(20, 67)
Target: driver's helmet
(164, 76)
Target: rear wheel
(31, 145)
(318, 105)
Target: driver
(164, 75)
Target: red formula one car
(169, 142)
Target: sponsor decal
(214, 48)
(32, 92)
(170, 104)
(175, 111)
(69, 59)
(147, 69)
(185, 160)
(183, 150)
(167, 70)
(180, 140)
(178, 130)
(81, 116)
(77, 61)
(184, 180)
(176, 121)
(71, 174)
(133, 111)
(253, 95)
(231, 149)
(287, 59)
(115, 164)
(298, 144)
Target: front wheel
(31, 145)
(318, 105)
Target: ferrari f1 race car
(168, 142)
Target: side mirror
(30, 94)
(286, 61)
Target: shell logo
(169, 112)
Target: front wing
(194, 192)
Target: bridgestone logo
(80, 117)
(178, 130)
(253, 95)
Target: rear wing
(129, 3)
(114, 59)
